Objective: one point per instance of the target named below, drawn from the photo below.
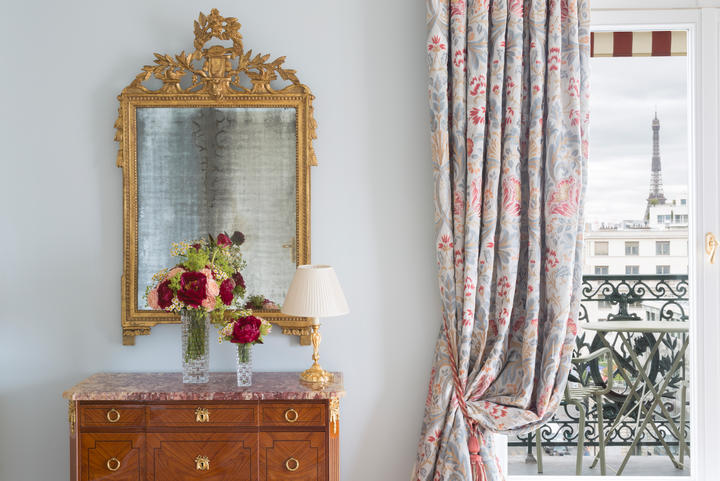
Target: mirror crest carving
(236, 85)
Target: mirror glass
(207, 170)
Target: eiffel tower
(656, 185)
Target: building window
(632, 270)
(632, 248)
(601, 248)
(662, 269)
(683, 201)
(662, 248)
(650, 315)
(601, 270)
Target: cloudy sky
(624, 94)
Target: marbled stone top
(222, 386)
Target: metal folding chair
(578, 397)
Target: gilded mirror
(210, 143)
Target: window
(683, 201)
(650, 316)
(601, 270)
(662, 269)
(601, 248)
(632, 270)
(662, 248)
(663, 219)
(632, 248)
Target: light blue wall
(60, 211)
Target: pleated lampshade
(315, 292)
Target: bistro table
(642, 388)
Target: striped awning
(638, 44)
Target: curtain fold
(509, 113)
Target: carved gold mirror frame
(212, 76)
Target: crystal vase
(195, 346)
(244, 364)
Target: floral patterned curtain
(509, 107)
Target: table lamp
(315, 292)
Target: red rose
(197, 247)
(239, 281)
(192, 288)
(165, 295)
(223, 240)
(246, 330)
(226, 291)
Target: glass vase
(244, 364)
(195, 346)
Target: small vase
(244, 364)
(195, 346)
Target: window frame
(631, 244)
(595, 248)
(657, 248)
(636, 268)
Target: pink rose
(152, 299)
(208, 303)
(268, 304)
(212, 287)
(173, 272)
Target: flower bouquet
(260, 302)
(245, 330)
(205, 282)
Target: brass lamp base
(316, 375)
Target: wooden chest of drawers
(214, 432)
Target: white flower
(228, 329)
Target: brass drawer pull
(202, 463)
(291, 416)
(292, 464)
(113, 416)
(202, 415)
(113, 464)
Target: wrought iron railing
(661, 298)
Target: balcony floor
(565, 466)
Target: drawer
(201, 456)
(201, 415)
(112, 415)
(293, 456)
(292, 414)
(112, 457)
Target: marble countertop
(222, 386)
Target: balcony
(653, 299)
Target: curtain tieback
(476, 463)
(478, 468)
